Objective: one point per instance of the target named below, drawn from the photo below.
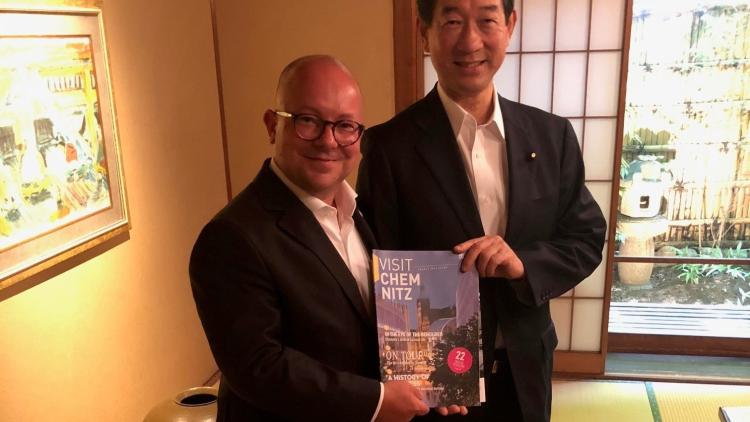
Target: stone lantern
(642, 216)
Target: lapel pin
(532, 156)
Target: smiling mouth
(470, 64)
(322, 159)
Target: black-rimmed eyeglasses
(310, 127)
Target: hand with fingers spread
(492, 256)
(401, 402)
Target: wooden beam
(407, 51)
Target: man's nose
(470, 38)
(327, 138)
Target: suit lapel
(440, 152)
(368, 238)
(298, 222)
(521, 166)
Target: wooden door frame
(408, 54)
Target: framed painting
(61, 183)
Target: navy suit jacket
(282, 312)
(414, 192)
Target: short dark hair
(426, 9)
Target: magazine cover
(428, 324)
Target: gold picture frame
(62, 189)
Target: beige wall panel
(107, 339)
(257, 38)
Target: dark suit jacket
(282, 312)
(414, 192)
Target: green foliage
(686, 251)
(633, 139)
(624, 169)
(743, 295)
(737, 252)
(457, 388)
(691, 273)
(694, 273)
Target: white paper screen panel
(536, 80)
(570, 84)
(578, 129)
(593, 285)
(602, 193)
(599, 148)
(561, 310)
(607, 20)
(587, 325)
(603, 84)
(538, 25)
(572, 25)
(507, 78)
(515, 39)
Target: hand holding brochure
(428, 324)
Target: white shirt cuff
(380, 403)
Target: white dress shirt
(338, 224)
(483, 150)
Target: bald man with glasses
(281, 275)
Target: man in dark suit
(468, 170)
(280, 276)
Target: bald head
(315, 89)
(300, 70)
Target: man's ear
(270, 119)
(511, 22)
(423, 32)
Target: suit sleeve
(555, 265)
(240, 309)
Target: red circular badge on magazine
(459, 360)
